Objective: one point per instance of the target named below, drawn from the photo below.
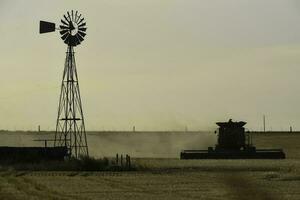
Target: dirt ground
(170, 178)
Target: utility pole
(264, 122)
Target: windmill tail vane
(72, 28)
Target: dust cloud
(135, 144)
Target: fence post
(129, 162)
(122, 160)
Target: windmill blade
(82, 34)
(79, 37)
(80, 20)
(69, 16)
(81, 25)
(65, 36)
(67, 41)
(72, 16)
(66, 18)
(63, 31)
(64, 27)
(76, 15)
(65, 23)
(46, 27)
(77, 40)
(72, 40)
(82, 29)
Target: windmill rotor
(72, 28)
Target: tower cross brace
(70, 127)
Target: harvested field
(170, 178)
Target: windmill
(70, 127)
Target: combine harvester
(233, 143)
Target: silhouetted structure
(233, 143)
(70, 127)
(31, 154)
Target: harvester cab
(231, 136)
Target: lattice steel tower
(70, 127)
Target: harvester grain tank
(233, 143)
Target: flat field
(171, 178)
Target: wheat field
(170, 178)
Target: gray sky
(155, 64)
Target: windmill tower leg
(70, 127)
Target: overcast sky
(155, 64)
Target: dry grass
(82, 164)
